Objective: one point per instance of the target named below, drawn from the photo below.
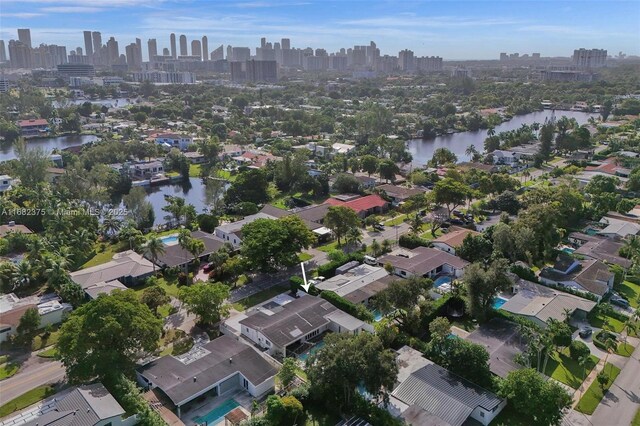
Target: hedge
(524, 273)
(600, 343)
(411, 241)
(328, 270)
(357, 310)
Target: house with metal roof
(282, 325)
(428, 394)
(423, 262)
(220, 368)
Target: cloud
(268, 4)
(72, 9)
(83, 3)
(22, 15)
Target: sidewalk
(587, 382)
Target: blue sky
(452, 29)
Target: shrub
(524, 273)
(600, 337)
(328, 270)
(578, 349)
(412, 241)
(357, 310)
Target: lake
(110, 103)
(7, 152)
(422, 150)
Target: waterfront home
(6, 183)
(173, 140)
(33, 127)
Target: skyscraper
(205, 48)
(218, 53)
(113, 52)
(24, 35)
(153, 49)
(174, 54)
(285, 43)
(139, 51)
(165, 51)
(20, 54)
(3, 52)
(88, 43)
(196, 49)
(133, 56)
(97, 47)
(183, 45)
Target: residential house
(147, 169)
(599, 248)
(453, 239)
(399, 194)
(505, 157)
(319, 150)
(175, 256)
(128, 267)
(195, 157)
(342, 148)
(33, 127)
(94, 290)
(589, 276)
(363, 206)
(428, 394)
(503, 342)
(13, 227)
(232, 232)
(12, 308)
(283, 325)
(609, 167)
(220, 368)
(359, 284)
(173, 140)
(539, 304)
(6, 183)
(423, 262)
(54, 173)
(256, 160)
(87, 405)
(618, 227)
(312, 217)
(230, 151)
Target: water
(441, 280)
(568, 250)
(422, 150)
(169, 240)
(7, 152)
(218, 413)
(498, 302)
(377, 315)
(303, 356)
(110, 103)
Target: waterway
(110, 103)
(422, 149)
(8, 152)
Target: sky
(452, 29)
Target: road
(619, 405)
(33, 373)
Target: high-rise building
(183, 45)
(24, 36)
(240, 54)
(48, 56)
(406, 60)
(3, 52)
(229, 53)
(133, 57)
(174, 53)
(88, 43)
(218, 53)
(205, 48)
(19, 55)
(139, 50)
(113, 52)
(166, 52)
(285, 43)
(263, 42)
(589, 58)
(97, 48)
(196, 49)
(79, 51)
(152, 45)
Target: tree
(347, 362)
(206, 301)
(560, 332)
(388, 170)
(107, 336)
(32, 164)
(250, 185)
(72, 293)
(139, 208)
(450, 192)
(340, 220)
(272, 244)
(416, 224)
(546, 141)
(484, 284)
(369, 164)
(346, 184)
(468, 360)
(440, 330)
(540, 401)
(402, 297)
(606, 108)
(287, 373)
(578, 349)
(284, 411)
(603, 379)
(508, 202)
(474, 248)
(154, 248)
(28, 326)
(442, 156)
(154, 297)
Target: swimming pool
(441, 280)
(169, 239)
(568, 250)
(304, 355)
(218, 413)
(591, 231)
(498, 302)
(377, 315)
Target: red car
(208, 267)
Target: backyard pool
(217, 414)
(568, 250)
(304, 355)
(377, 315)
(591, 231)
(442, 280)
(498, 302)
(169, 240)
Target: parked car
(370, 260)
(208, 267)
(378, 227)
(619, 301)
(456, 222)
(457, 213)
(585, 332)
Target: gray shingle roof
(449, 397)
(174, 255)
(424, 260)
(125, 264)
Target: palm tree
(526, 175)
(23, 274)
(375, 247)
(154, 248)
(416, 224)
(111, 225)
(196, 247)
(184, 240)
(610, 345)
(353, 237)
(566, 313)
(547, 345)
(56, 271)
(491, 132)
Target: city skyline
(452, 30)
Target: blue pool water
(441, 280)
(377, 315)
(218, 413)
(498, 302)
(568, 250)
(591, 231)
(169, 239)
(303, 356)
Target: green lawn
(631, 291)
(194, 170)
(396, 220)
(26, 399)
(427, 235)
(164, 310)
(329, 247)
(625, 349)
(103, 257)
(48, 353)
(224, 174)
(171, 287)
(509, 417)
(41, 341)
(594, 394)
(566, 370)
(598, 321)
(8, 369)
(636, 419)
(466, 323)
(259, 297)
(303, 257)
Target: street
(34, 372)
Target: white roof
(353, 279)
(230, 228)
(619, 227)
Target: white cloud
(72, 9)
(21, 15)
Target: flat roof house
(423, 262)
(428, 394)
(88, 405)
(453, 239)
(358, 284)
(128, 267)
(219, 368)
(279, 328)
(12, 308)
(173, 140)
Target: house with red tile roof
(363, 206)
(33, 127)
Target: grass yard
(101, 257)
(566, 370)
(259, 297)
(41, 341)
(427, 235)
(8, 369)
(194, 170)
(303, 257)
(594, 394)
(26, 399)
(631, 291)
(598, 321)
(225, 174)
(466, 323)
(636, 419)
(327, 248)
(171, 287)
(625, 349)
(396, 220)
(48, 353)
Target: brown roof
(604, 249)
(371, 289)
(423, 260)
(400, 192)
(5, 229)
(455, 236)
(236, 416)
(13, 316)
(593, 276)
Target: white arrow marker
(305, 286)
